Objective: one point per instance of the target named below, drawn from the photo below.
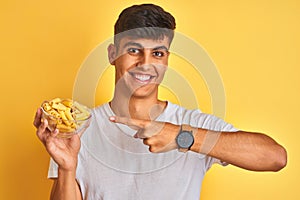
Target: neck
(147, 108)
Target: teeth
(142, 77)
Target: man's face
(140, 64)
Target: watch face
(185, 140)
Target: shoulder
(100, 108)
(100, 115)
(196, 118)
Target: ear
(112, 53)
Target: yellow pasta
(79, 107)
(65, 114)
(56, 100)
(64, 118)
(47, 107)
(68, 114)
(67, 102)
(64, 128)
(80, 116)
(54, 113)
(59, 106)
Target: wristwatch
(185, 138)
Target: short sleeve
(52, 171)
(209, 161)
(214, 123)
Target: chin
(144, 92)
(141, 95)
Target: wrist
(185, 138)
(69, 167)
(67, 170)
(62, 172)
(199, 135)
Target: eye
(159, 53)
(133, 51)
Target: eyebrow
(133, 44)
(163, 47)
(141, 46)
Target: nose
(146, 60)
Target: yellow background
(255, 45)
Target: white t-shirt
(112, 165)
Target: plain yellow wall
(255, 45)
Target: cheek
(161, 73)
(121, 66)
(125, 62)
(161, 69)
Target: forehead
(144, 42)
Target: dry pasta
(65, 114)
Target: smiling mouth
(144, 78)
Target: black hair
(144, 21)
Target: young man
(138, 147)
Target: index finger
(137, 123)
(37, 118)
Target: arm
(252, 151)
(65, 187)
(65, 153)
(248, 150)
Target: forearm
(252, 151)
(65, 187)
